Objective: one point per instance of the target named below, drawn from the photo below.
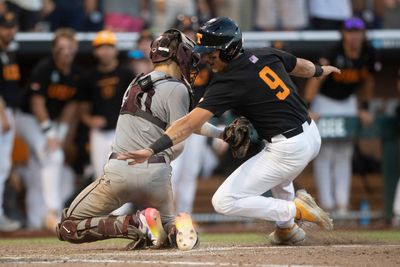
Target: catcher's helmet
(219, 34)
(182, 54)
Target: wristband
(318, 71)
(45, 126)
(161, 144)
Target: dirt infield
(321, 249)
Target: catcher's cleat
(287, 236)
(186, 235)
(150, 225)
(308, 210)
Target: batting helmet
(220, 34)
(182, 53)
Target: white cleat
(287, 236)
(309, 210)
(8, 225)
(186, 235)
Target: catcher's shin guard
(308, 210)
(94, 229)
(287, 236)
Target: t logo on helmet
(199, 36)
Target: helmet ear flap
(163, 48)
(231, 51)
(160, 49)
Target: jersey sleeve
(218, 98)
(288, 60)
(178, 103)
(39, 79)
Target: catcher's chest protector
(138, 97)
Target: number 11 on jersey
(273, 81)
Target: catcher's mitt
(237, 135)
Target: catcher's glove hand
(237, 135)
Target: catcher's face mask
(183, 55)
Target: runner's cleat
(308, 210)
(287, 236)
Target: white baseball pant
(332, 167)
(50, 163)
(6, 145)
(274, 168)
(185, 170)
(100, 147)
(396, 203)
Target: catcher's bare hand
(134, 157)
(329, 69)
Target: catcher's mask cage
(183, 55)
(219, 33)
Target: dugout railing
(302, 43)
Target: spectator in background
(102, 94)
(80, 15)
(329, 14)
(241, 11)
(166, 11)
(47, 118)
(126, 15)
(93, 19)
(27, 11)
(66, 13)
(285, 15)
(371, 11)
(336, 96)
(139, 58)
(9, 100)
(138, 62)
(143, 43)
(205, 10)
(391, 16)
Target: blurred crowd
(258, 15)
(58, 125)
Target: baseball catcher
(150, 103)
